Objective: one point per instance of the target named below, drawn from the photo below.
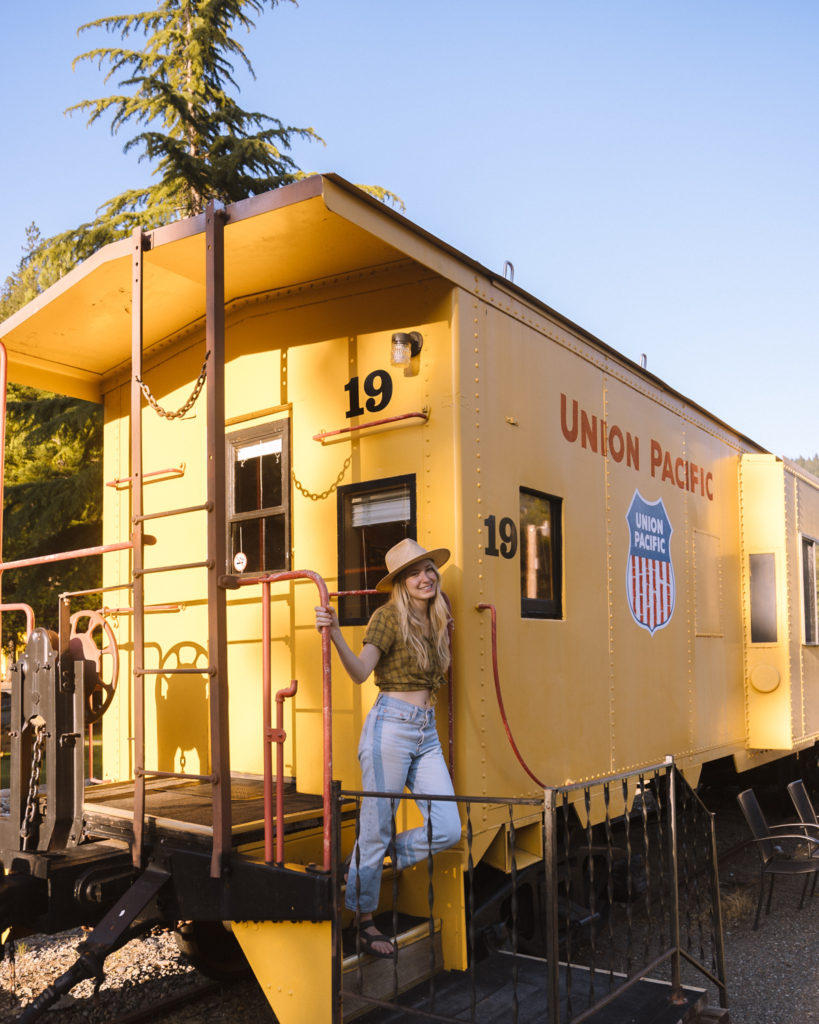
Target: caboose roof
(78, 332)
(76, 336)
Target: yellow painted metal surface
(767, 667)
(449, 904)
(292, 962)
(780, 505)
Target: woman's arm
(357, 666)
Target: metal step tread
(419, 956)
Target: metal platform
(183, 810)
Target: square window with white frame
(258, 474)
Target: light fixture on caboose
(405, 347)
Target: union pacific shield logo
(649, 574)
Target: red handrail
(173, 471)
(234, 582)
(523, 764)
(22, 608)
(424, 415)
(62, 556)
(277, 736)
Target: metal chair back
(802, 803)
(749, 805)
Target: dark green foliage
(811, 465)
(202, 144)
(32, 276)
(53, 489)
(173, 71)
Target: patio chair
(767, 839)
(807, 815)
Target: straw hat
(404, 554)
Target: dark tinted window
(372, 517)
(763, 599)
(541, 569)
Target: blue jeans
(399, 747)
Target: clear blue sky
(649, 166)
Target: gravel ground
(773, 973)
(144, 973)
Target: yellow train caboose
(290, 386)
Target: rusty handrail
(21, 608)
(510, 737)
(170, 474)
(323, 434)
(277, 736)
(234, 583)
(62, 556)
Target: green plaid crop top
(398, 668)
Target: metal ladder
(215, 508)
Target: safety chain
(324, 494)
(200, 383)
(40, 735)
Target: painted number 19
(377, 387)
(508, 532)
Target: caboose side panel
(516, 464)
(635, 671)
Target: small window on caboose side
(259, 498)
(541, 562)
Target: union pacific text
(597, 435)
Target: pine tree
(204, 147)
(53, 487)
(175, 92)
(810, 464)
(32, 276)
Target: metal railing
(626, 892)
(637, 851)
(276, 736)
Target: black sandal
(369, 936)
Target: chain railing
(183, 409)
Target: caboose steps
(419, 957)
(488, 993)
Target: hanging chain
(324, 494)
(200, 383)
(40, 735)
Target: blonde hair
(412, 624)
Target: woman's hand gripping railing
(234, 583)
(518, 755)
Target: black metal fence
(621, 890)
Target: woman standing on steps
(407, 645)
